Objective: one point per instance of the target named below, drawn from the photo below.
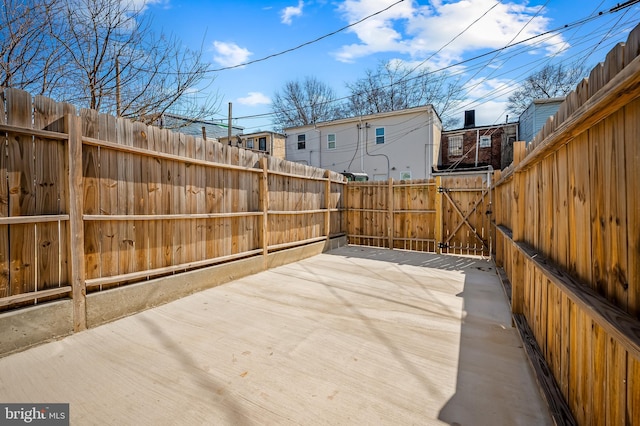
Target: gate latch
(442, 189)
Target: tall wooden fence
(567, 215)
(88, 202)
(447, 214)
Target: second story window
(250, 143)
(485, 141)
(331, 141)
(262, 144)
(379, 135)
(455, 145)
(302, 141)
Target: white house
(401, 144)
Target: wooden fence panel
(5, 289)
(21, 172)
(578, 238)
(630, 165)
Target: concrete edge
(24, 328)
(283, 257)
(27, 327)
(120, 302)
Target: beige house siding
(411, 144)
(274, 142)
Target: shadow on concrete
(203, 379)
(494, 384)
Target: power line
(308, 42)
(559, 29)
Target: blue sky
(433, 34)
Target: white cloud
(422, 30)
(230, 54)
(288, 13)
(254, 98)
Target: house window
(485, 141)
(331, 141)
(250, 143)
(379, 135)
(262, 144)
(302, 141)
(455, 145)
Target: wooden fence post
(327, 202)
(390, 220)
(439, 215)
(264, 205)
(76, 225)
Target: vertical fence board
(632, 159)
(579, 209)
(90, 167)
(615, 211)
(615, 383)
(49, 191)
(20, 166)
(126, 199)
(201, 201)
(178, 205)
(141, 196)
(633, 391)
(156, 191)
(560, 182)
(191, 201)
(109, 230)
(4, 205)
(597, 152)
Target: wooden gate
(465, 205)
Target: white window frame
(378, 140)
(485, 141)
(250, 143)
(302, 139)
(456, 151)
(329, 141)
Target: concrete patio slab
(353, 336)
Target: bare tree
(392, 86)
(102, 54)
(27, 55)
(552, 81)
(305, 102)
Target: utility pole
(229, 130)
(118, 111)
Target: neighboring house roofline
(359, 118)
(466, 129)
(264, 132)
(547, 100)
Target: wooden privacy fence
(88, 202)
(447, 214)
(567, 214)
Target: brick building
(477, 146)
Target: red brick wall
(486, 156)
